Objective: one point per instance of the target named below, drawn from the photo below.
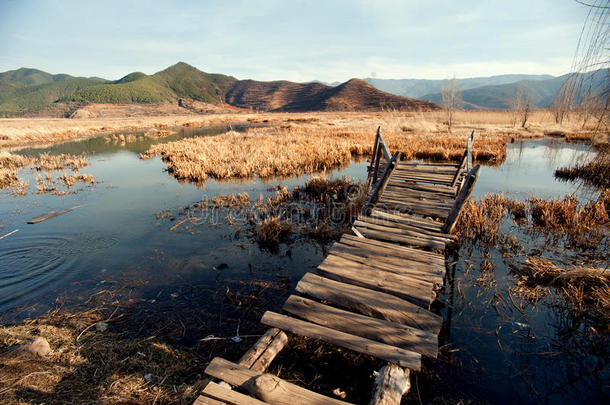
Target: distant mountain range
(490, 93)
(25, 91)
(32, 91)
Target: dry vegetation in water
(596, 172)
(46, 165)
(322, 210)
(575, 234)
(306, 143)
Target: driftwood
(9, 234)
(52, 214)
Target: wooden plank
(391, 384)
(394, 249)
(369, 347)
(371, 233)
(205, 400)
(380, 330)
(389, 283)
(417, 202)
(229, 396)
(424, 164)
(414, 209)
(405, 221)
(418, 195)
(369, 302)
(384, 146)
(422, 187)
(347, 265)
(408, 229)
(463, 195)
(265, 387)
(264, 350)
(420, 271)
(428, 224)
(420, 238)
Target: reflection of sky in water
(529, 170)
(115, 237)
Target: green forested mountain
(25, 91)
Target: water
(115, 240)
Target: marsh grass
(596, 172)
(12, 166)
(321, 210)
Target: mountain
(420, 87)
(178, 81)
(25, 91)
(31, 77)
(540, 92)
(353, 95)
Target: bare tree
(587, 89)
(451, 100)
(521, 105)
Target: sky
(293, 39)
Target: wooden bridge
(373, 291)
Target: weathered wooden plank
(347, 265)
(463, 195)
(265, 387)
(418, 195)
(414, 209)
(380, 185)
(391, 384)
(423, 187)
(380, 330)
(425, 164)
(229, 396)
(405, 358)
(414, 203)
(369, 302)
(385, 226)
(371, 233)
(264, 350)
(404, 222)
(424, 223)
(394, 249)
(205, 400)
(418, 270)
(390, 283)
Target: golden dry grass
(90, 367)
(12, 166)
(28, 131)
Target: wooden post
(469, 151)
(380, 185)
(463, 195)
(373, 158)
(384, 146)
(459, 169)
(391, 384)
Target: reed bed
(12, 166)
(587, 289)
(292, 150)
(321, 210)
(596, 172)
(584, 225)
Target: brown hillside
(353, 95)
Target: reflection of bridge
(373, 291)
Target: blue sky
(292, 39)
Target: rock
(38, 346)
(101, 326)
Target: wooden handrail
(463, 195)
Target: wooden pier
(373, 291)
